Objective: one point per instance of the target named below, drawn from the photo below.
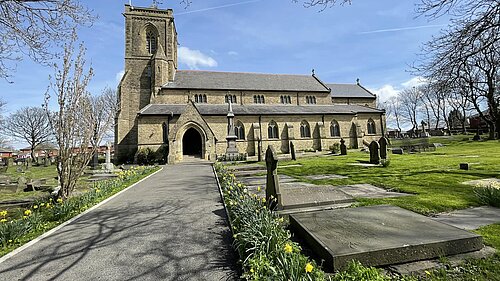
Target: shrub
(260, 237)
(144, 156)
(488, 193)
(385, 162)
(335, 148)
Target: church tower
(150, 63)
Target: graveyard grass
(34, 172)
(433, 177)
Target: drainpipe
(259, 144)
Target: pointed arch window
(259, 99)
(334, 129)
(305, 130)
(285, 99)
(151, 42)
(272, 130)
(372, 130)
(230, 98)
(239, 130)
(200, 98)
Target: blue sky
(375, 41)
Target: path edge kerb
(50, 232)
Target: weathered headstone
(374, 153)
(9, 161)
(292, 150)
(383, 142)
(397, 150)
(343, 147)
(46, 162)
(273, 193)
(28, 163)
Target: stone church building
(184, 112)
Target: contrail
(218, 7)
(401, 29)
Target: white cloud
(195, 58)
(119, 76)
(232, 53)
(387, 91)
(414, 82)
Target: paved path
(169, 227)
(471, 218)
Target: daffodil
(3, 213)
(97, 190)
(309, 267)
(42, 204)
(259, 188)
(288, 248)
(59, 200)
(3, 220)
(263, 200)
(35, 207)
(27, 212)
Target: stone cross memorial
(383, 142)
(108, 164)
(273, 193)
(374, 153)
(343, 147)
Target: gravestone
(46, 162)
(343, 147)
(374, 153)
(292, 150)
(464, 166)
(272, 183)
(397, 150)
(9, 161)
(383, 147)
(28, 163)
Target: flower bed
(17, 229)
(260, 237)
(488, 193)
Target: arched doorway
(192, 143)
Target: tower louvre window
(151, 42)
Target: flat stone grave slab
(302, 195)
(326, 177)
(249, 173)
(482, 181)
(471, 218)
(379, 235)
(365, 190)
(261, 180)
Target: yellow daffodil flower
(288, 248)
(309, 267)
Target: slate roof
(349, 91)
(261, 109)
(240, 81)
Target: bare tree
(103, 109)
(33, 28)
(393, 110)
(74, 123)
(411, 99)
(467, 55)
(30, 124)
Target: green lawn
(433, 177)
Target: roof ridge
(243, 72)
